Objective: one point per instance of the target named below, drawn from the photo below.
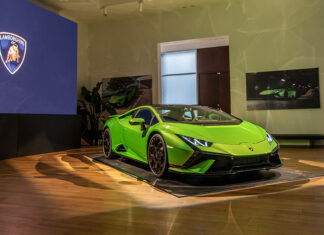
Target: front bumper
(220, 164)
(213, 160)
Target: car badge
(251, 149)
(12, 51)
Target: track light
(140, 5)
(105, 11)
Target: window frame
(185, 45)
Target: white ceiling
(90, 11)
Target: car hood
(244, 132)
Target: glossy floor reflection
(69, 193)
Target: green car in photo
(123, 99)
(280, 93)
(190, 139)
(118, 100)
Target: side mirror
(138, 121)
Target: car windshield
(194, 115)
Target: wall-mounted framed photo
(125, 93)
(287, 89)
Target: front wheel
(157, 156)
(107, 143)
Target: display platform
(182, 185)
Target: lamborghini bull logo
(12, 51)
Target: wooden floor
(68, 193)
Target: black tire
(107, 143)
(157, 156)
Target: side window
(145, 114)
(154, 121)
(188, 115)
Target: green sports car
(190, 139)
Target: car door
(133, 134)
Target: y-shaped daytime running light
(197, 142)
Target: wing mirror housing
(138, 121)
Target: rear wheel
(157, 156)
(107, 143)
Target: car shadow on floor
(50, 169)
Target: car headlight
(195, 142)
(269, 137)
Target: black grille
(250, 160)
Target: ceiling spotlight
(140, 5)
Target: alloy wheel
(157, 156)
(107, 143)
